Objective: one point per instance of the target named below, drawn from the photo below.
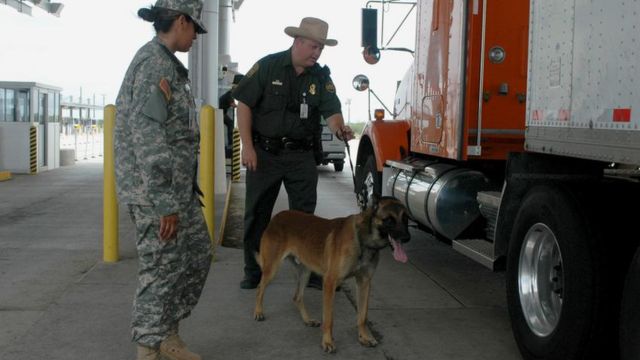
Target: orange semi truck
(516, 138)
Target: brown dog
(337, 249)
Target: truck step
(489, 202)
(406, 165)
(479, 250)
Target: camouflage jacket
(156, 134)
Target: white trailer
(573, 225)
(526, 154)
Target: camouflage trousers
(171, 275)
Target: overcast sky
(92, 43)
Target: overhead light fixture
(56, 8)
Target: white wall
(14, 147)
(53, 143)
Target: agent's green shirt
(156, 136)
(275, 93)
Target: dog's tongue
(398, 251)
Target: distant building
(29, 127)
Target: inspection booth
(29, 127)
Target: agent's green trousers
(299, 174)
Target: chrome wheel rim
(540, 280)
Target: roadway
(58, 300)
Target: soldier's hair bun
(148, 14)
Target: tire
(338, 165)
(630, 314)
(369, 182)
(556, 278)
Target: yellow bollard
(235, 162)
(207, 172)
(110, 202)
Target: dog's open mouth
(398, 251)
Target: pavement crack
(441, 286)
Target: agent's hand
(249, 158)
(168, 227)
(345, 133)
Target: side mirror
(360, 82)
(371, 55)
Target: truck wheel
(338, 165)
(369, 182)
(553, 291)
(630, 314)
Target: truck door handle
(504, 89)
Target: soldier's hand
(168, 227)
(249, 158)
(345, 133)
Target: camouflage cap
(193, 8)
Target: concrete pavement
(58, 300)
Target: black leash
(353, 174)
(360, 197)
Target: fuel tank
(438, 195)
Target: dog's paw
(258, 316)
(329, 347)
(312, 323)
(367, 341)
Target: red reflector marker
(621, 115)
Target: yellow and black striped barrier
(235, 162)
(33, 150)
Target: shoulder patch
(330, 87)
(165, 88)
(253, 70)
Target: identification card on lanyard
(304, 108)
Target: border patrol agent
(156, 147)
(280, 102)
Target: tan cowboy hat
(312, 28)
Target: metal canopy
(25, 6)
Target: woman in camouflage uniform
(156, 147)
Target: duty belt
(277, 145)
